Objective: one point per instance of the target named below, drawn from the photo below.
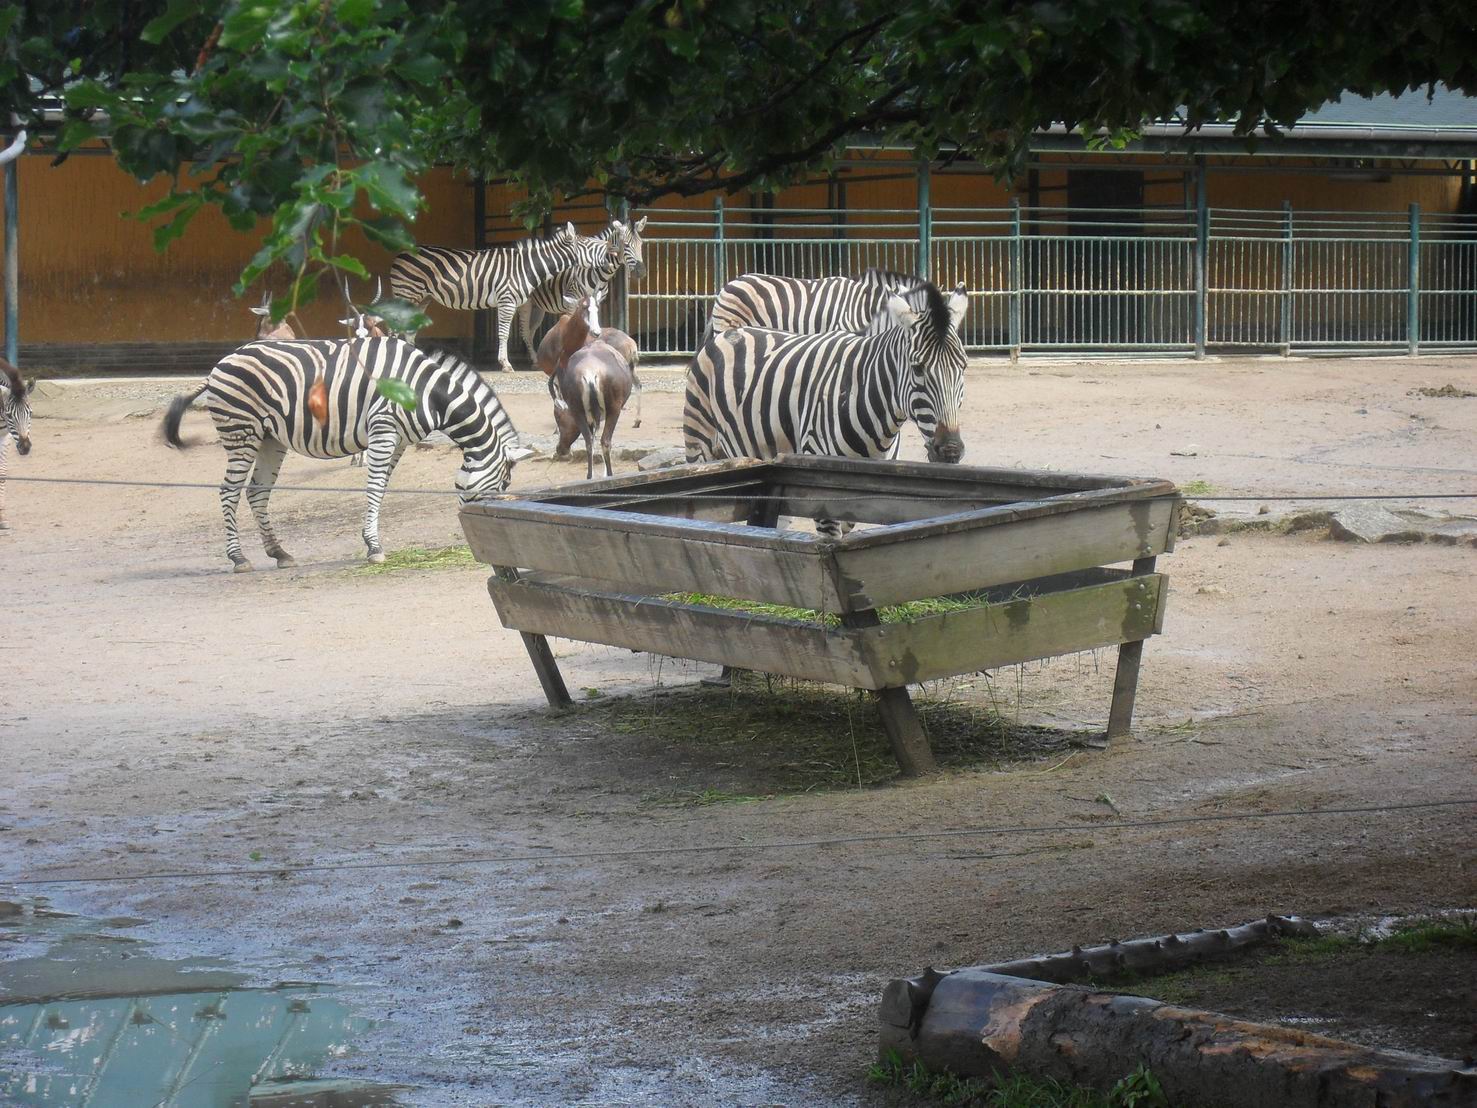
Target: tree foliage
(320, 114)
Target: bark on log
(1155, 955)
(978, 1023)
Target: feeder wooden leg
(899, 717)
(541, 656)
(1125, 686)
(1126, 679)
(547, 669)
(905, 730)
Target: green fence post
(1284, 324)
(925, 221)
(1413, 290)
(12, 261)
(720, 262)
(1016, 280)
(1202, 251)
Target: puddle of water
(91, 1020)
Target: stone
(661, 459)
(1364, 521)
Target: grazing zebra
(555, 295)
(260, 399)
(15, 400)
(810, 307)
(502, 277)
(755, 393)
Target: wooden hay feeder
(1029, 549)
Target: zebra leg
(356, 460)
(505, 310)
(4, 446)
(239, 460)
(263, 477)
(385, 448)
(529, 317)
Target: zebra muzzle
(946, 447)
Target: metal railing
(1098, 279)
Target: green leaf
(400, 315)
(176, 13)
(356, 12)
(397, 392)
(246, 26)
(349, 264)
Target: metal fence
(1098, 279)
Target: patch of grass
(1423, 935)
(419, 557)
(895, 613)
(782, 736)
(1139, 1089)
(1196, 487)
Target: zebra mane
(938, 310)
(12, 378)
(892, 280)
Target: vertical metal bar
(1284, 323)
(720, 263)
(1413, 289)
(1202, 246)
(1015, 280)
(12, 262)
(925, 219)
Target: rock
(1363, 521)
(1190, 451)
(661, 459)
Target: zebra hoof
(376, 557)
(242, 566)
(286, 561)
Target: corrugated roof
(1444, 110)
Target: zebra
(755, 393)
(502, 277)
(261, 398)
(15, 401)
(808, 307)
(555, 295)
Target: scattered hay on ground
(774, 736)
(419, 557)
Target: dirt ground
(160, 715)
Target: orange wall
(88, 275)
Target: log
(976, 1023)
(1155, 955)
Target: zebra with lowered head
(502, 277)
(15, 400)
(319, 398)
(755, 393)
(555, 296)
(811, 306)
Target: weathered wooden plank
(678, 630)
(1022, 630)
(756, 563)
(670, 479)
(876, 506)
(798, 467)
(997, 549)
(864, 657)
(544, 665)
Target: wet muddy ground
(355, 773)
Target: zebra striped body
(809, 307)
(554, 296)
(260, 399)
(500, 278)
(15, 421)
(755, 393)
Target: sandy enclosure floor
(161, 715)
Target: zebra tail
(172, 418)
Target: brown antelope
(590, 384)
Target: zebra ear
(897, 308)
(641, 224)
(30, 386)
(958, 306)
(569, 231)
